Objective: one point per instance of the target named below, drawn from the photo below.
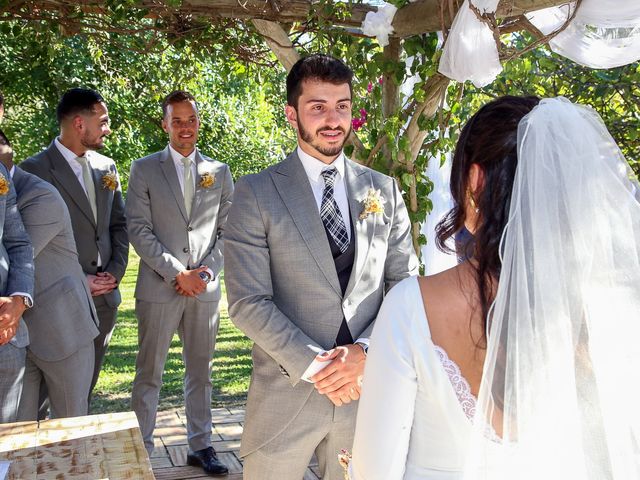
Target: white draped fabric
(603, 34)
(470, 51)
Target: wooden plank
(229, 431)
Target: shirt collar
(314, 167)
(68, 154)
(177, 156)
(12, 171)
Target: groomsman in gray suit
(89, 185)
(16, 295)
(63, 322)
(177, 205)
(311, 246)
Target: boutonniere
(372, 203)
(207, 180)
(110, 181)
(4, 185)
(344, 458)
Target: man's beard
(328, 151)
(92, 145)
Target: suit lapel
(103, 195)
(358, 182)
(169, 170)
(63, 174)
(202, 166)
(293, 186)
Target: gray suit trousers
(319, 427)
(107, 317)
(197, 325)
(12, 361)
(67, 382)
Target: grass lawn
(231, 363)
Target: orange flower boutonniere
(371, 204)
(207, 180)
(4, 185)
(110, 181)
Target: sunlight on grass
(231, 363)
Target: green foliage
(234, 98)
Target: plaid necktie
(330, 213)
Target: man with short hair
(177, 205)
(63, 323)
(16, 294)
(311, 246)
(89, 185)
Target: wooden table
(107, 446)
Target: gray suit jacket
(108, 235)
(162, 234)
(63, 318)
(16, 254)
(282, 285)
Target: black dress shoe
(208, 460)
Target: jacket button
(189, 228)
(185, 250)
(93, 264)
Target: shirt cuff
(314, 368)
(363, 340)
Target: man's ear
(77, 123)
(292, 116)
(164, 125)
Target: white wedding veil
(560, 385)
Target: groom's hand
(340, 379)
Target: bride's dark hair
(489, 139)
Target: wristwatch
(205, 277)
(365, 347)
(28, 303)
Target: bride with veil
(521, 362)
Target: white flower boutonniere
(207, 180)
(110, 181)
(371, 204)
(4, 185)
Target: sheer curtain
(603, 34)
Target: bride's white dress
(414, 417)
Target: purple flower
(357, 123)
(363, 114)
(369, 87)
(380, 80)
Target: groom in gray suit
(89, 185)
(16, 295)
(311, 245)
(177, 205)
(63, 322)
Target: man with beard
(88, 183)
(311, 246)
(177, 206)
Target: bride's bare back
(452, 307)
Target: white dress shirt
(177, 161)
(314, 168)
(70, 157)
